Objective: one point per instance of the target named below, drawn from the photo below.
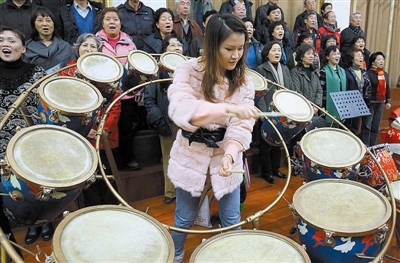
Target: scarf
(381, 89)
(356, 30)
(334, 82)
(284, 59)
(278, 75)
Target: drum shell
(136, 74)
(396, 192)
(288, 130)
(393, 134)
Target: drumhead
(259, 82)
(293, 105)
(111, 233)
(52, 156)
(100, 67)
(395, 124)
(249, 246)
(142, 62)
(332, 147)
(170, 60)
(396, 190)
(70, 95)
(341, 206)
(394, 147)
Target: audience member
(198, 9)
(380, 98)
(310, 6)
(358, 43)
(227, 7)
(349, 33)
(239, 10)
(45, 48)
(255, 48)
(185, 27)
(326, 41)
(328, 28)
(262, 32)
(137, 21)
(310, 20)
(196, 46)
(17, 14)
(277, 33)
(306, 38)
(79, 17)
(262, 12)
(325, 8)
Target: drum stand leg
(26, 115)
(111, 160)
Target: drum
(393, 134)
(249, 246)
(260, 84)
(69, 101)
(396, 194)
(339, 219)
(111, 233)
(141, 67)
(169, 61)
(102, 70)
(395, 149)
(47, 166)
(297, 113)
(369, 171)
(331, 153)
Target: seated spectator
(137, 21)
(196, 46)
(277, 33)
(17, 14)
(349, 33)
(254, 58)
(239, 10)
(329, 28)
(45, 48)
(227, 7)
(78, 17)
(310, 6)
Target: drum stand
(349, 104)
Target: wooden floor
(278, 220)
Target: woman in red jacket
(329, 28)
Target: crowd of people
(313, 59)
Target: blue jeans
(371, 123)
(186, 208)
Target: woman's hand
(388, 106)
(226, 164)
(242, 111)
(92, 134)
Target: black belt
(210, 138)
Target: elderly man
(183, 26)
(310, 6)
(310, 21)
(137, 21)
(227, 7)
(17, 14)
(262, 11)
(348, 34)
(78, 17)
(239, 10)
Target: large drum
(47, 166)
(395, 149)
(369, 171)
(396, 194)
(168, 63)
(331, 153)
(297, 113)
(111, 233)
(102, 70)
(340, 219)
(69, 101)
(249, 246)
(260, 84)
(393, 134)
(141, 67)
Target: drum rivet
(65, 214)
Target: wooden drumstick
(260, 114)
(235, 171)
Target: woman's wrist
(229, 157)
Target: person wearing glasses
(227, 7)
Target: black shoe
(168, 200)
(47, 232)
(133, 165)
(280, 175)
(268, 178)
(32, 234)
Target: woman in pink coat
(202, 94)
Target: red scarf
(381, 89)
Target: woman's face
(44, 26)
(331, 19)
(308, 58)
(87, 46)
(358, 59)
(334, 57)
(331, 42)
(360, 44)
(164, 24)
(308, 41)
(174, 46)
(11, 47)
(379, 61)
(278, 33)
(275, 54)
(112, 24)
(231, 51)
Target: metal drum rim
(285, 239)
(305, 119)
(70, 111)
(369, 231)
(149, 73)
(58, 186)
(56, 245)
(169, 54)
(251, 71)
(116, 61)
(358, 160)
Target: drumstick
(260, 114)
(234, 171)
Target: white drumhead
(396, 190)
(342, 206)
(171, 60)
(111, 234)
(249, 246)
(259, 81)
(142, 62)
(100, 67)
(70, 95)
(395, 124)
(394, 147)
(51, 156)
(293, 105)
(332, 147)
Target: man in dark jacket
(78, 17)
(227, 7)
(137, 21)
(262, 12)
(349, 33)
(17, 14)
(184, 27)
(310, 6)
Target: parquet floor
(278, 219)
